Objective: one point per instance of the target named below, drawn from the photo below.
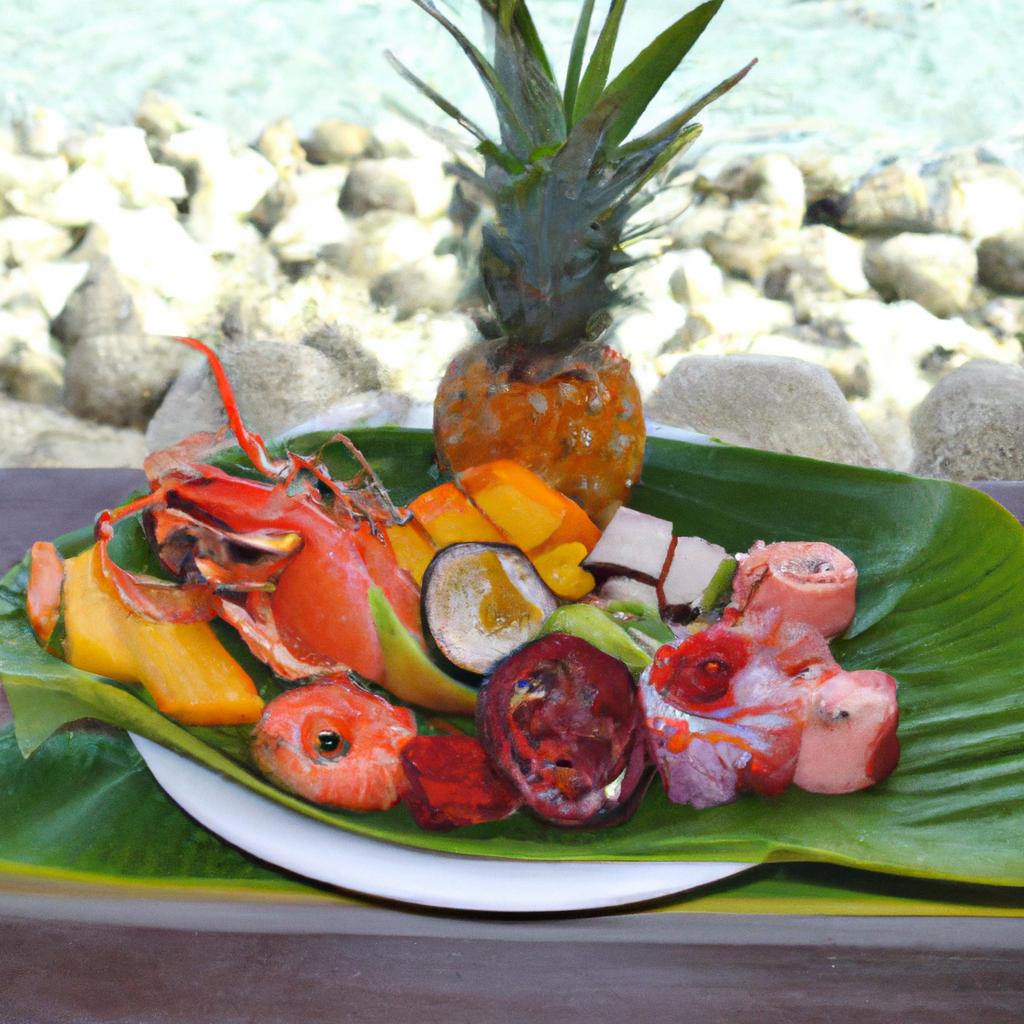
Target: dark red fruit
(450, 782)
(560, 719)
(699, 669)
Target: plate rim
(390, 871)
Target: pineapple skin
(574, 417)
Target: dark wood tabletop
(75, 955)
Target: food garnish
(563, 179)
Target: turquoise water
(875, 76)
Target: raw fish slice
(806, 581)
(723, 715)
(849, 738)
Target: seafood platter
(533, 634)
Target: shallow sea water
(862, 77)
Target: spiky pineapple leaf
(596, 76)
(514, 134)
(677, 121)
(638, 83)
(575, 68)
(525, 79)
(435, 97)
(516, 12)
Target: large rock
(120, 379)
(380, 241)
(696, 279)
(430, 284)
(976, 199)
(825, 263)
(36, 436)
(765, 402)
(336, 141)
(1001, 262)
(889, 200)
(409, 185)
(30, 240)
(84, 196)
(376, 185)
(277, 385)
(343, 345)
(99, 305)
(152, 251)
(907, 347)
(935, 271)
(770, 178)
(971, 425)
(231, 180)
(736, 320)
(753, 235)
(31, 369)
(309, 218)
(121, 155)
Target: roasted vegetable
(480, 602)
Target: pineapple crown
(564, 178)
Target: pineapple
(564, 181)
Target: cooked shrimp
(334, 744)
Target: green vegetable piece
(408, 672)
(642, 618)
(590, 623)
(720, 586)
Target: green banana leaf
(940, 608)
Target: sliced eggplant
(480, 602)
(697, 577)
(633, 544)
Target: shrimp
(335, 744)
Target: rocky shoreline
(876, 320)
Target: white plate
(454, 882)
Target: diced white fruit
(633, 544)
(695, 563)
(625, 588)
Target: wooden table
(75, 954)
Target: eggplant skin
(561, 721)
(450, 608)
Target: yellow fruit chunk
(527, 522)
(449, 517)
(185, 668)
(560, 569)
(413, 548)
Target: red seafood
(757, 702)
(722, 713)
(807, 581)
(287, 560)
(560, 721)
(450, 781)
(335, 744)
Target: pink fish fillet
(806, 581)
(849, 737)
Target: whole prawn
(287, 560)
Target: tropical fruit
(564, 181)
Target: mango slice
(185, 668)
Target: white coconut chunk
(695, 563)
(633, 544)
